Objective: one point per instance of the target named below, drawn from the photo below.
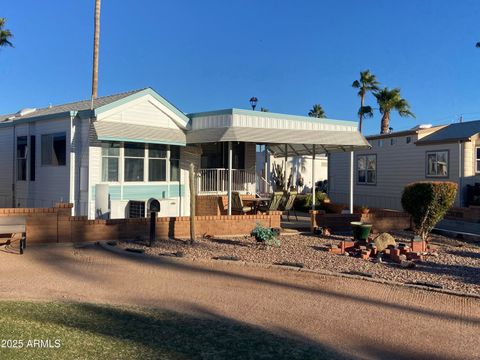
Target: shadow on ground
(164, 334)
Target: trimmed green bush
(427, 203)
(265, 235)
(304, 202)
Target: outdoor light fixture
(253, 102)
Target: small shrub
(304, 202)
(427, 203)
(265, 235)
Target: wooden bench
(10, 226)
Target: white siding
(397, 166)
(6, 175)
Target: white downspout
(313, 178)
(351, 182)
(460, 173)
(229, 178)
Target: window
(22, 158)
(136, 209)
(393, 141)
(215, 155)
(367, 169)
(157, 162)
(408, 139)
(477, 168)
(174, 163)
(110, 156)
(134, 158)
(33, 157)
(437, 163)
(54, 149)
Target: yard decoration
(383, 240)
(427, 203)
(361, 230)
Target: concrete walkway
(355, 318)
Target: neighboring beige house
(447, 152)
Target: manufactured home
(425, 153)
(110, 156)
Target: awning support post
(229, 178)
(285, 185)
(266, 169)
(351, 182)
(313, 178)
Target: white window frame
(366, 182)
(108, 156)
(145, 164)
(42, 154)
(477, 159)
(436, 152)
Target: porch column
(285, 185)
(351, 182)
(313, 178)
(229, 192)
(266, 168)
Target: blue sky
(206, 55)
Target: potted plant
(361, 231)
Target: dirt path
(354, 317)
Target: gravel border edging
(105, 246)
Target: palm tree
(317, 111)
(366, 83)
(5, 34)
(477, 44)
(96, 45)
(389, 100)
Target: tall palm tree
(96, 45)
(317, 111)
(5, 34)
(389, 100)
(366, 83)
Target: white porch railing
(215, 181)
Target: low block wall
(51, 225)
(207, 205)
(382, 220)
(469, 214)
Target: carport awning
(117, 131)
(299, 142)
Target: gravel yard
(456, 267)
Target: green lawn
(88, 331)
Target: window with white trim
(477, 159)
(437, 163)
(174, 163)
(134, 161)
(367, 169)
(54, 149)
(157, 162)
(22, 158)
(110, 161)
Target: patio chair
(274, 203)
(237, 204)
(289, 205)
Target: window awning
(298, 142)
(117, 131)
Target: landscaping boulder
(383, 240)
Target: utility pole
(96, 45)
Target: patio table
(256, 202)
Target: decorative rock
(383, 241)
(407, 264)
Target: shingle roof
(73, 106)
(452, 133)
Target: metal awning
(298, 142)
(117, 131)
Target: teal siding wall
(144, 192)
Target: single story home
(424, 153)
(110, 156)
